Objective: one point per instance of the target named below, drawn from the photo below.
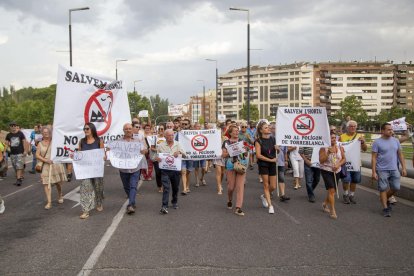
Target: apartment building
(198, 108)
(270, 87)
(379, 85)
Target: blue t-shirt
(387, 156)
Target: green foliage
(27, 106)
(138, 103)
(395, 113)
(254, 112)
(351, 106)
(159, 105)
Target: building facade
(201, 109)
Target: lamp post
(248, 59)
(135, 83)
(209, 59)
(70, 31)
(204, 101)
(116, 67)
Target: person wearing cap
(16, 142)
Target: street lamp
(248, 59)
(116, 67)
(135, 83)
(209, 59)
(70, 31)
(204, 101)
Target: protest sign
(143, 113)
(125, 155)
(221, 117)
(175, 110)
(169, 162)
(236, 148)
(398, 124)
(352, 155)
(89, 163)
(81, 98)
(201, 144)
(306, 126)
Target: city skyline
(166, 43)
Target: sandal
(99, 208)
(48, 206)
(60, 200)
(333, 216)
(84, 216)
(325, 208)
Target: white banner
(201, 144)
(27, 133)
(83, 97)
(143, 113)
(221, 118)
(352, 155)
(175, 110)
(399, 124)
(125, 155)
(307, 126)
(169, 162)
(89, 163)
(236, 148)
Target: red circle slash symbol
(169, 160)
(199, 142)
(98, 110)
(303, 124)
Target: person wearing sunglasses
(17, 146)
(158, 139)
(187, 166)
(91, 189)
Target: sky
(166, 42)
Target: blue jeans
(34, 162)
(130, 182)
(170, 179)
(388, 180)
(312, 177)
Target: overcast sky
(166, 42)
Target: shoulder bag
(39, 164)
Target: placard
(201, 144)
(169, 162)
(125, 155)
(235, 148)
(89, 163)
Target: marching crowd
(260, 147)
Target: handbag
(239, 167)
(39, 164)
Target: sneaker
(389, 206)
(163, 211)
(284, 198)
(2, 207)
(229, 205)
(271, 210)
(392, 200)
(175, 206)
(19, 182)
(197, 184)
(203, 182)
(264, 202)
(239, 212)
(312, 199)
(346, 199)
(352, 199)
(130, 210)
(386, 212)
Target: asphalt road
(202, 237)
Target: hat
(12, 123)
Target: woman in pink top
(331, 159)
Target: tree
(254, 112)
(138, 103)
(159, 105)
(351, 106)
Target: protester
(3, 161)
(34, 139)
(91, 189)
(187, 166)
(129, 177)
(170, 179)
(177, 124)
(138, 136)
(147, 173)
(169, 125)
(281, 165)
(235, 180)
(252, 133)
(352, 177)
(331, 159)
(158, 139)
(312, 172)
(52, 174)
(297, 166)
(386, 150)
(17, 146)
(266, 160)
(199, 164)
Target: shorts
(270, 170)
(187, 165)
(199, 163)
(352, 177)
(328, 178)
(17, 161)
(219, 162)
(389, 179)
(281, 174)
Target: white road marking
(17, 191)
(94, 257)
(74, 196)
(288, 215)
